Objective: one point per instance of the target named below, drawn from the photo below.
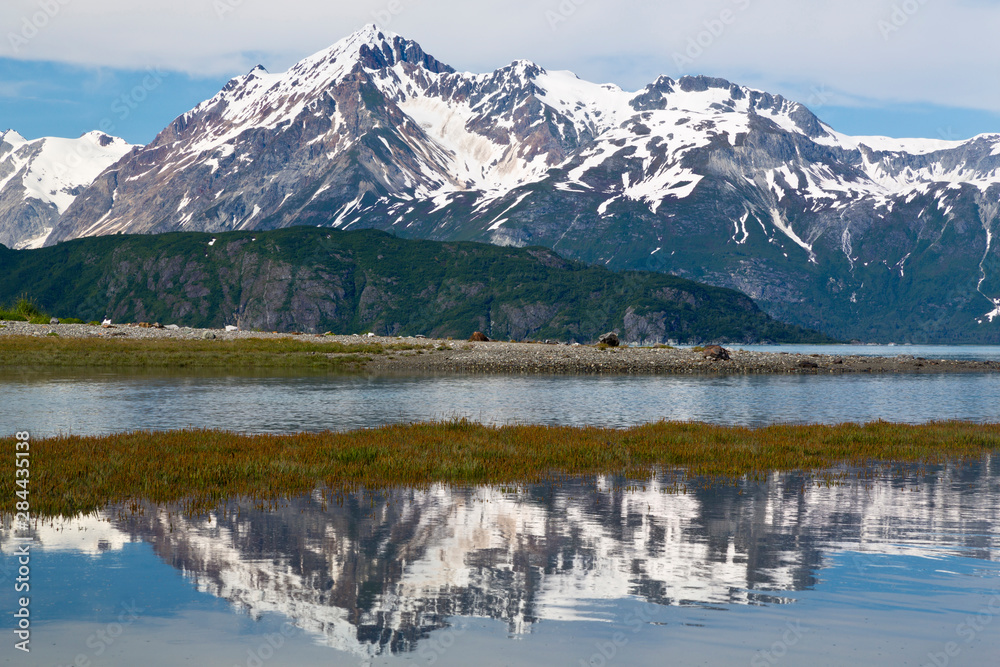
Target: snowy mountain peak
(366, 40)
(525, 69)
(260, 99)
(373, 131)
(13, 138)
(370, 48)
(104, 140)
(429, 132)
(40, 178)
(371, 35)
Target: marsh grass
(24, 309)
(203, 469)
(250, 353)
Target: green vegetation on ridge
(310, 279)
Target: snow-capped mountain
(374, 119)
(39, 179)
(699, 177)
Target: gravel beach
(454, 356)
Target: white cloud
(942, 52)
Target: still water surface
(100, 404)
(901, 570)
(893, 571)
(967, 352)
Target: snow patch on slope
(473, 159)
(889, 144)
(51, 169)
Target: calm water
(98, 404)
(901, 570)
(973, 352)
(897, 571)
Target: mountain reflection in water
(377, 573)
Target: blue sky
(894, 67)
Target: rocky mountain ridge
(864, 237)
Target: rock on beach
(446, 356)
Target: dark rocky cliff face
(316, 280)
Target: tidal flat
(203, 469)
(24, 345)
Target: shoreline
(402, 355)
(203, 468)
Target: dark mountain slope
(310, 279)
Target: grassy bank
(25, 309)
(203, 468)
(251, 353)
